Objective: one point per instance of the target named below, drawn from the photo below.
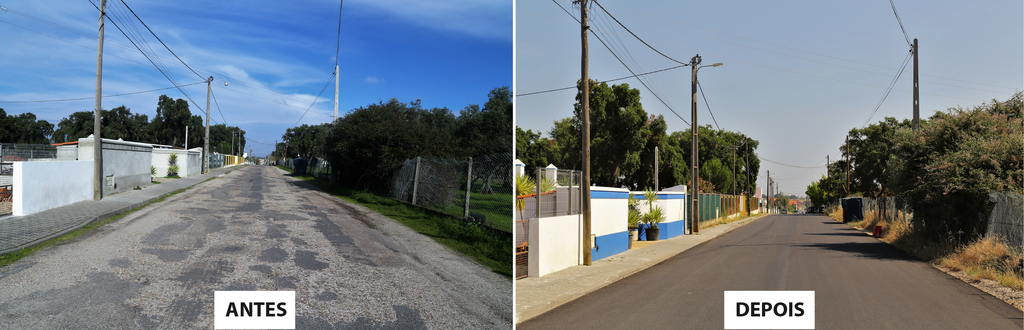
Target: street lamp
(694, 172)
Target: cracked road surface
(252, 229)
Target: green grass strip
(490, 250)
(7, 259)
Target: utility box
(300, 166)
(853, 209)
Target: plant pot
(652, 233)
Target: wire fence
(477, 189)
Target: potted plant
(654, 215)
(633, 220)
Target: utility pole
(694, 160)
(206, 141)
(917, 105)
(585, 100)
(335, 93)
(733, 170)
(97, 156)
(746, 145)
(828, 177)
(847, 165)
(768, 190)
(656, 186)
(186, 138)
(232, 144)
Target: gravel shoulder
(253, 229)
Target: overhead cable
(93, 97)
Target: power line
(603, 81)
(150, 60)
(709, 106)
(218, 106)
(901, 23)
(165, 45)
(93, 97)
(797, 72)
(781, 46)
(627, 67)
(891, 84)
(316, 99)
(337, 50)
(772, 161)
(634, 34)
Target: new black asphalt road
(254, 229)
(858, 281)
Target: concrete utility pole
(694, 160)
(97, 156)
(746, 144)
(585, 100)
(336, 74)
(917, 105)
(206, 140)
(232, 144)
(847, 165)
(656, 186)
(186, 137)
(733, 170)
(828, 177)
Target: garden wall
(40, 186)
(126, 165)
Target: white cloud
(373, 80)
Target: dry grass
(986, 258)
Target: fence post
(538, 192)
(469, 185)
(571, 176)
(415, 180)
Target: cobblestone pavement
(254, 229)
(36, 228)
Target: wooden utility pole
(97, 156)
(585, 100)
(917, 105)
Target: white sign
(769, 309)
(254, 309)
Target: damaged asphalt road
(252, 229)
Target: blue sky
(276, 56)
(797, 75)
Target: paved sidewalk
(33, 229)
(537, 295)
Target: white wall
(128, 162)
(189, 162)
(608, 215)
(555, 244)
(40, 186)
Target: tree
(171, 118)
(24, 128)
(306, 141)
(534, 150)
(483, 131)
(948, 168)
(367, 145)
(618, 129)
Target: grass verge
(491, 250)
(7, 259)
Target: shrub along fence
(476, 189)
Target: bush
(950, 166)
